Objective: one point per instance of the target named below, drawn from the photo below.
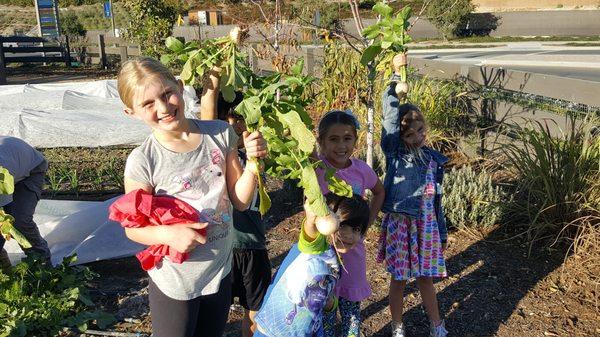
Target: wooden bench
(31, 49)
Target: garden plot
(82, 114)
(77, 114)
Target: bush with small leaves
(471, 200)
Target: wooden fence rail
(108, 45)
(31, 49)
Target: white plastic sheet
(78, 227)
(86, 114)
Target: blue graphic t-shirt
(295, 299)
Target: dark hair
(334, 117)
(353, 212)
(226, 109)
(407, 114)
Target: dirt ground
(493, 288)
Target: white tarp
(78, 227)
(86, 114)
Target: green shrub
(38, 300)
(470, 199)
(556, 177)
(448, 15)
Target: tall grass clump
(555, 178)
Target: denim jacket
(405, 173)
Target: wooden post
(309, 61)
(123, 54)
(67, 52)
(101, 51)
(2, 64)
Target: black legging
(203, 316)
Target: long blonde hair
(136, 72)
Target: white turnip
(401, 89)
(328, 224)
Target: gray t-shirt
(21, 160)
(198, 178)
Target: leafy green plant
(448, 15)
(55, 180)
(7, 186)
(274, 104)
(40, 300)
(200, 57)
(470, 199)
(555, 176)
(389, 36)
(151, 22)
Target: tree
(71, 26)
(448, 15)
(151, 22)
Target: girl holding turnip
(302, 289)
(337, 140)
(196, 162)
(414, 231)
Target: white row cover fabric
(82, 114)
(78, 227)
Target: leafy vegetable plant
(274, 105)
(389, 37)
(198, 57)
(39, 300)
(7, 186)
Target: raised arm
(390, 133)
(241, 183)
(210, 95)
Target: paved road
(525, 23)
(578, 63)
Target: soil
(493, 287)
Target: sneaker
(398, 330)
(438, 331)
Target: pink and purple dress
(411, 247)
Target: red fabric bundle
(140, 209)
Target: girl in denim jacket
(413, 229)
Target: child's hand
(398, 62)
(255, 144)
(310, 216)
(184, 237)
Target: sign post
(108, 13)
(47, 17)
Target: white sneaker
(398, 330)
(438, 331)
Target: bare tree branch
(257, 3)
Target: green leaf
(337, 185)
(371, 31)
(228, 93)
(405, 13)
(306, 140)
(312, 191)
(20, 238)
(7, 182)
(383, 9)
(187, 73)
(174, 44)
(249, 108)
(296, 70)
(370, 54)
(166, 59)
